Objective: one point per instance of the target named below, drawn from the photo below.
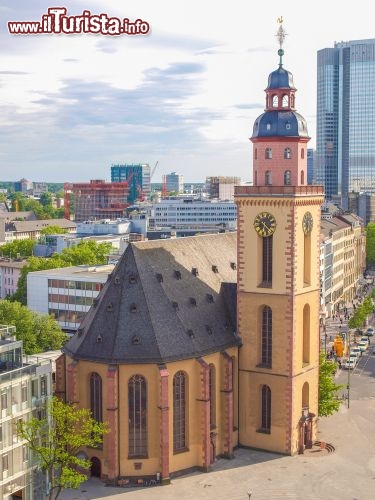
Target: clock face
(265, 224)
(307, 223)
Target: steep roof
(164, 301)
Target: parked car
(357, 351)
(349, 364)
(365, 339)
(370, 331)
(353, 357)
(363, 346)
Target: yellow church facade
(198, 345)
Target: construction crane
(153, 170)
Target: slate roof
(164, 301)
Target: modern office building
(174, 183)
(310, 165)
(194, 213)
(345, 149)
(138, 177)
(25, 385)
(66, 293)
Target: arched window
(179, 411)
(268, 154)
(255, 178)
(292, 101)
(96, 404)
(287, 177)
(306, 335)
(266, 358)
(137, 395)
(287, 153)
(302, 178)
(285, 101)
(266, 409)
(302, 154)
(305, 395)
(267, 250)
(275, 101)
(212, 388)
(268, 178)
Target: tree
(45, 199)
(39, 332)
(328, 401)
(56, 440)
(53, 230)
(21, 248)
(370, 244)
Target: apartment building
(25, 385)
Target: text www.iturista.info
(57, 22)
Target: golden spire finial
(281, 34)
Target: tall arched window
(96, 404)
(266, 358)
(287, 153)
(268, 178)
(306, 335)
(255, 178)
(266, 409)
(267, 249)
(275, 101)
(305, 395)
(302, 178)
(212, 387)
(179, 411)
(137, 395)
(285, 101)
(287, 177)
(307, 259)
(302, 154)
(268, 154)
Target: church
(198, 345)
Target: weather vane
(281, 34)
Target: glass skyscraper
(345, 149)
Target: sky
(184, 95)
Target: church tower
(278, 279)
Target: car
(349, 364)
(363, 346)
(364, 339)
(357, 351)
(370, 331)
(353, 357)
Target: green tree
(56, 440)
(370, 244)
(328, 401)
(21, 248)
(53, 230)
(38, 332)
(45, 199)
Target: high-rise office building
(345, 153)
(174, 182)
(138, 177)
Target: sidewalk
(347, 473)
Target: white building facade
(66, 293)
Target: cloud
(255, 105)
(10, 72)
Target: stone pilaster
(227, 395)
(111, 439)
(164, 425)
(205, 413)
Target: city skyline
(185, 95)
